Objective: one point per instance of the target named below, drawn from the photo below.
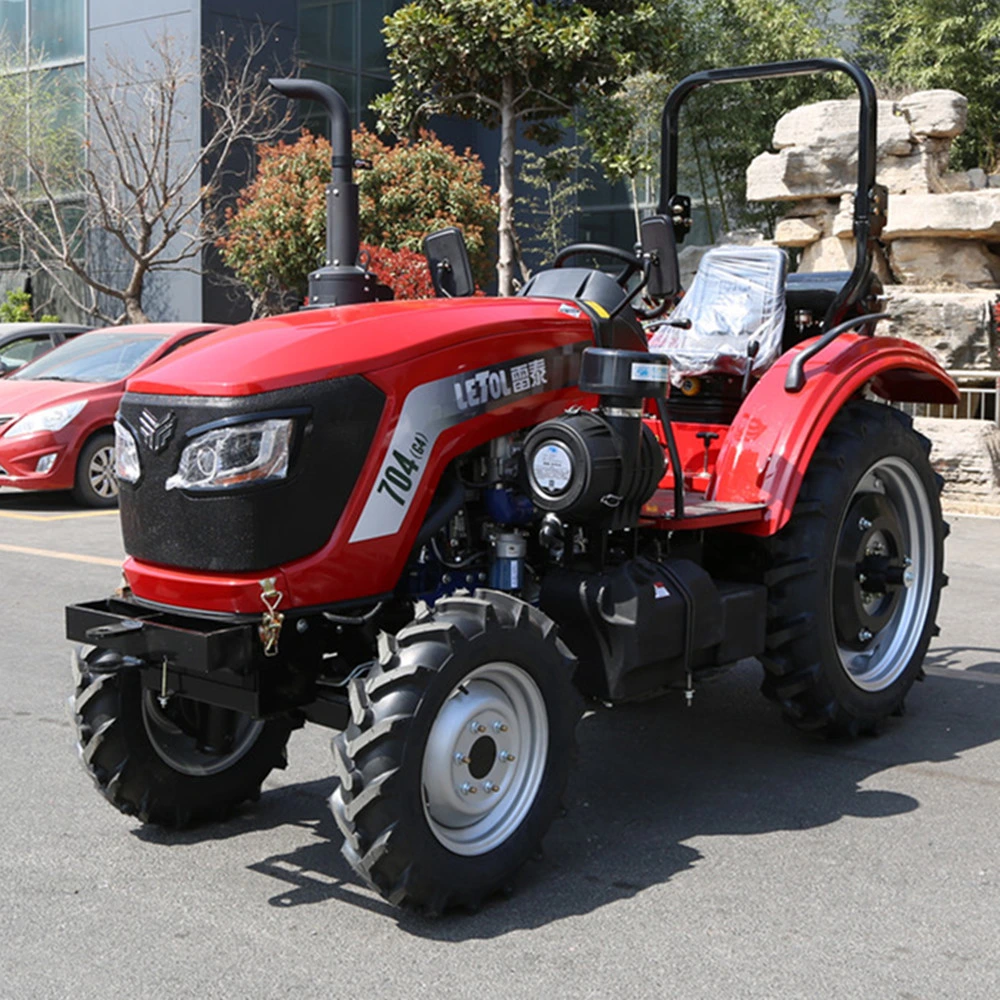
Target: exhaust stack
(340, 281)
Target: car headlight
(55, 418)
(234, 456)
(128, 468)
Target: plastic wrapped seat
(737, 297)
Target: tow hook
(272, 619)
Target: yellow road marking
(24, 550)
(15, 515)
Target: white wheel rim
(889, 651)
(101, 473)
(485, 758)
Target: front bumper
(19, 458)
(217, 662)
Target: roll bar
(869, 198)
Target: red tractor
(429, 524)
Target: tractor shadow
(654, 782)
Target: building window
(340, 43)
(42, 32)
(42, 49)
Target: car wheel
(96, 484)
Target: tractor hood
(313, 345)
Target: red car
(57, 413)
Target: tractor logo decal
(435, 406)
(496, 383)
(156, 431)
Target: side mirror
(659, 246)
(448, 260)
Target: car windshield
(104, 356)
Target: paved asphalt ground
(708, 853)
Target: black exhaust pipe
(340, 281)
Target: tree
(275, 235)
(104, 198)
(723, 127)
(16, 308)
(512, 62)
(556, 180)
(954, 44)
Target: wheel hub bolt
(461, 758)
(864, 524)
(477, 727)
(507, 756)
(908, 577)
(468, 789)
(864, 635)
(499, 727)
(907, 561)
(491, 788)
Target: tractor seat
(737, 298)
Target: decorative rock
(688, 259)
(967, 454)
(797, 232)
(917, 173)
(948, 262)
(798, 173)
(977, 178)
(818, 207)
(832, 126)
(962, 215)
(832, 254)
(941, 114)
(955, 326)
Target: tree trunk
(508, 128)
(133, 297)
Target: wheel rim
(485, 758)
(177, 733)
(883, 578)
(101, 473)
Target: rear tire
(457, 753)
(95, 484)
(855, 576)
(152, 762)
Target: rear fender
(771, 442)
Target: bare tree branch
(130, 191)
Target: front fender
(773, 437)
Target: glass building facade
(340, 43)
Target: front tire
(856, 575)
(458, 752)
(174, 765)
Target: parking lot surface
(710, 852)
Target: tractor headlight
(127, 465)
(234, 456)
(55, 418)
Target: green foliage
(952, 44)
(453, 56)
(555, 180)
(16, 308)
(510, 62)
(416, 187)
(722, 127)
(276, 235)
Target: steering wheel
(633, 265)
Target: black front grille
(258, 526)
